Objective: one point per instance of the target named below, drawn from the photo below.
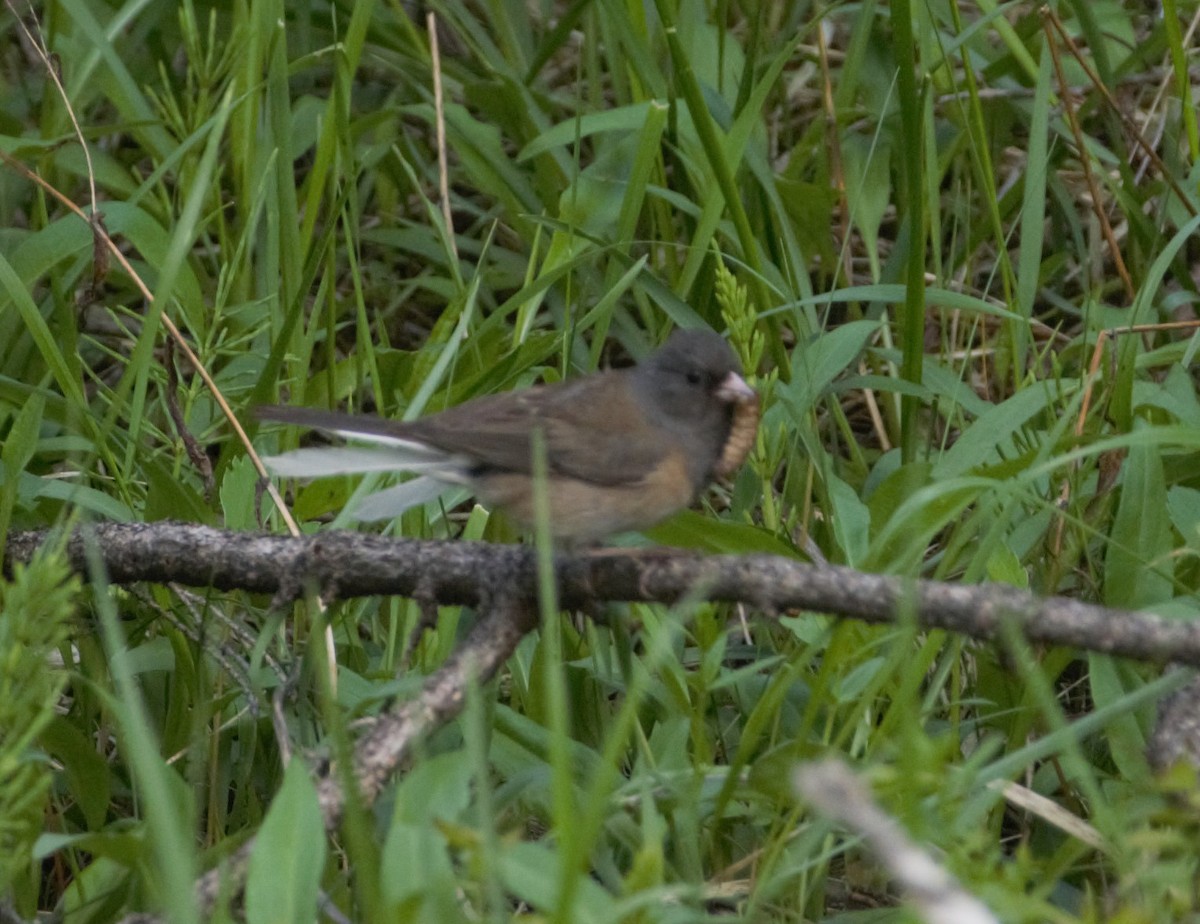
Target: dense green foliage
(910, 261)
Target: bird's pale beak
(734, 390)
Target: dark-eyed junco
(624, 448)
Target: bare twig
(1085, 160)
(1131, 126)
(1176, 736)
(833, 790)
(347, 564)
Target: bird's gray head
(691, 386)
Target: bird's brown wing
(593, 428)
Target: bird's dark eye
(693, 377)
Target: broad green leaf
(1138, 567)
(622, 119)
(1111, 681)
(868, 188)
(850, 520)
(17, 451)
(239, 489)
(1183, 509)
(535, 875)
(990, 437)
(815, 365)
(284, 878)
(417, 873)
(905, 520)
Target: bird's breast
(584, 510)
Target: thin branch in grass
(1085, 159)
(873, 412)
(195, 452)
(392, 737)
(440, 128)
(1085, 404)
(1172, 76)
(101, 241)
(1135, 131)
(831, 788)
(1102, 338)
(193, 627)
(836, 163)
(38, 43)
(176, 335)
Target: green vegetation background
(916, 264)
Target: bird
(624, 448)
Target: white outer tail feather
(438, 471)
(391, 502)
